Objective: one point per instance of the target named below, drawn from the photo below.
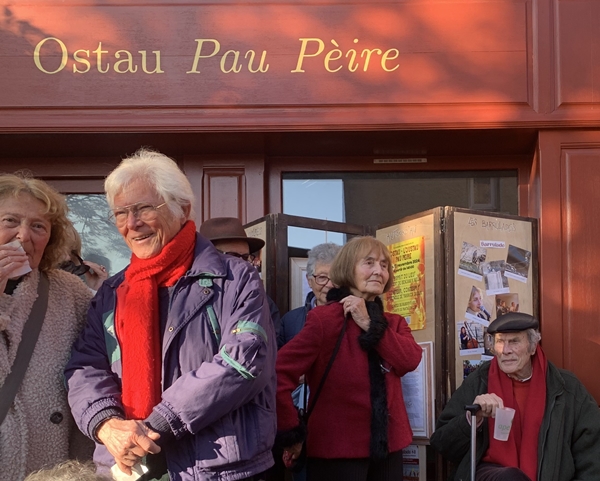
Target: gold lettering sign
(125, 62)
(313, 55)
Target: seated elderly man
(555, 435)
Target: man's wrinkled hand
(128, 441)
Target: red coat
(340, 425)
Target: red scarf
(137, 320)
(521, 449)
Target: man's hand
(489, 403)
(128, 441)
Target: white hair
(160, 172)
(72, 470)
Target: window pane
(308, 238)
(100, 239)
(315, 198)
(375, 198)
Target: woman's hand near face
(95, 276)
(356, 307)
(11, 259)
(128, 441)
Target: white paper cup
(22, 270)
(503, 423)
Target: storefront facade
(243, 94)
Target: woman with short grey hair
(319, 261)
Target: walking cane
(473, 408)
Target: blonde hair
(21, 183)
(344, 264)
(475, 290)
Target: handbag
(32, 328)
(304, 414)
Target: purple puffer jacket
(219, 382)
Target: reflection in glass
(376, 198)
(100, 239)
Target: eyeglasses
(140, 210)
(321, 280)
(246, 257)
(73, 268)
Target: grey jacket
(218, 348)
(569, 439)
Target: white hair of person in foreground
(71, 470)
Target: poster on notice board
(493, 276)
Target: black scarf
(368, 340)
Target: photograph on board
(517, 263)
(471, 258)
(495, 280)
(488, 343)
(506, 303)
(476, 308)
(470, 338)
(469, 366)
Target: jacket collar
(207, 262)
(308, 303)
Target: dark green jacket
(569, 440)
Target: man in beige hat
(229, 237)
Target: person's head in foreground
(71, 470)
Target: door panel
(581, 258)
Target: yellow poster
(407, 296)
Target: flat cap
(513, 322)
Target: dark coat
(569, 440)
(293, 321)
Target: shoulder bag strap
(327, 369)
(31, 332)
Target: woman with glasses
(358, 423)
(173, 374)
(42, 310)
(318, 264)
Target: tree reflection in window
(100, 239)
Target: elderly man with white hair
(555, 434)
(175, 369)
